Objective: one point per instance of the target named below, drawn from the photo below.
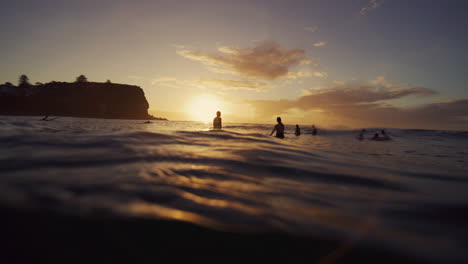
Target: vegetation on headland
(77, 99)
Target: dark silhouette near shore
(314, 130)
(217, 122)
(298, 131)
(78, 99)
(279, 128)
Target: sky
(332, 63)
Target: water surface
(407, 195)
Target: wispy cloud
(320, 44)
(311, 29)
(371, 5)
(299, 74)
(381, 81)
(305, 73)
(306, 62)
(321, 74)
(268, 60)
(237, 84)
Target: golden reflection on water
(308, 205)
(222, 203)
(158, 211)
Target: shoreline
(93, 117)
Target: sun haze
(203, 107)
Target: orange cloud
(267, 61)
(237, 84)
(321, 74)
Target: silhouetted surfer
(298, 130)
(376, 137)
(279, 128)
(384, 135)
(217, 122)
(314, 130)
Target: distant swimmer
(361, 134)
(384, 135)
(46, 118)
(376, 137)
(279, 128)
(314, 130)
(217, 122)
(298, 130)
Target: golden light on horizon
(203, 107)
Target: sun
(203, 107)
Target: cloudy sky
(354, 63)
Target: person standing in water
(217, 122)
(314, 130)
(298, 130)
(279, 128)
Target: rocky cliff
(79, 99)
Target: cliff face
(87, 99)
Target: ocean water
(408, 195)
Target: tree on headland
(81, 79)
(24, 81)
(108, 81)
(8, 84)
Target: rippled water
(408, 194)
